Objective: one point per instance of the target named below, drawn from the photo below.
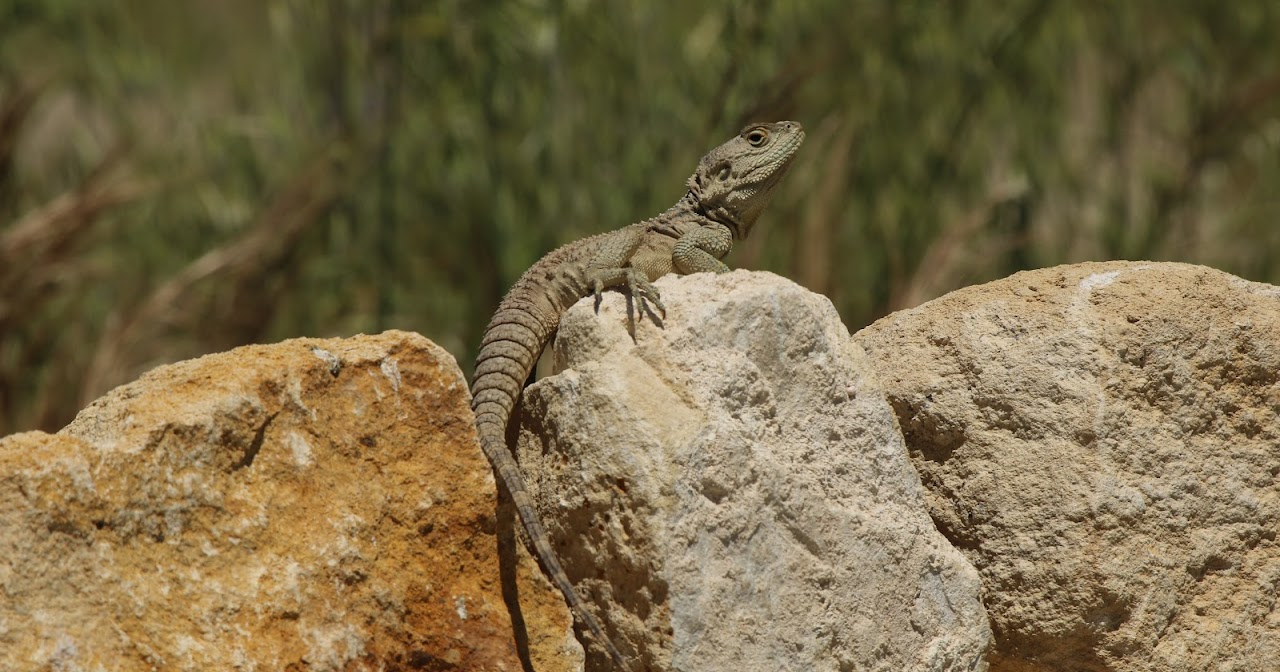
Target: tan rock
(310, 505)
(1102, 441)
(733, 492)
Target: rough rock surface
(1102, 441)
(310, 505)
(743, 476)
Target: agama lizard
(732, 185)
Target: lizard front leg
(610, 267)
(701, 249)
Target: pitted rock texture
(743, 477)
(310, 505)
(1102, 441)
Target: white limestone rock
(742, 478)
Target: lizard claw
(640, 291)
(644, 292)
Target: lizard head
(735, 181)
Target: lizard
(725, 195)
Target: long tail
(512, 344)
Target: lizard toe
(596, 290)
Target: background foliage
(179, 178)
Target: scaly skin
(732, 185)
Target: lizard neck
(687, 207)
(677, 220)
(709, 215)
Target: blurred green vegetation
(179, 178)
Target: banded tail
(512, 344)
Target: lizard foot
(644, 291)
(641, 291)
(638, 286)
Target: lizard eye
(758, 137)
(724, 173)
